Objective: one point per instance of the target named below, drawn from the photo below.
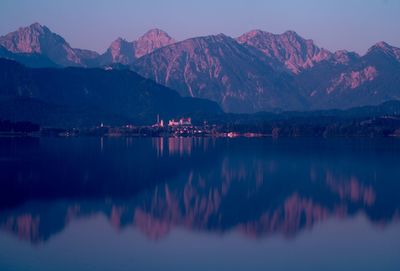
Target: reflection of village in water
(181, 146)
(256, 187)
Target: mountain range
(258, 71)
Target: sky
(353, 25)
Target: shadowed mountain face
(33, 60)
(258, 187)
(258, 71)
(80, 96)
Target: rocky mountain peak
(28, 39)
(155, 34)
(289, 48)
(37, 39)
(344, 56)
(150, 41)
(213, 38)
(120, 51)
(119, 40)
(253, 34)
(37, 27)
(292, 34)
(382, 45)
(385, 48)
(118, 43)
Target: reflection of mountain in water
(256, 186)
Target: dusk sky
(94, 24)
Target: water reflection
(256, 187)
(180, 146)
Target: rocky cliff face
(151, 41)
(120, 51)
(289, 48)
(38, 39)
(384, 49)
(218, 68)
(344, 57)
(367, 80)
(125, 52)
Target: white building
(180, 122)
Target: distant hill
(77, 96)
(373, 121)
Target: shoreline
(222, 135)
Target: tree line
(18, 127)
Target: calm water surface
(199, 204)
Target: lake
(199, 204)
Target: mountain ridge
(212, 67)
(125, 52)
(256, 71)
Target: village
(173, 127)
